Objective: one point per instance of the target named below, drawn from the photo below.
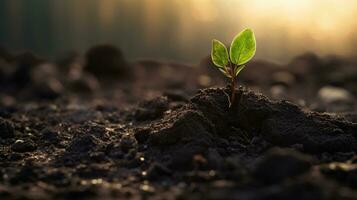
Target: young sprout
(241, 51)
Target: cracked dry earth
(169, 148)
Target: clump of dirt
(152, 109)
(6, 128)
(106, 61)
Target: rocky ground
(100, 127)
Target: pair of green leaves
(242, 49)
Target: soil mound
(280, 123)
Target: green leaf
(219, 54)
(238, 69)
(243, 47)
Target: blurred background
(179, 30)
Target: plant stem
(233, 85)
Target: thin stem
(233, 84)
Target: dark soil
(88, 137)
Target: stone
(330, 94)
(22, 146)
(334, 99)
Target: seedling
(241, 51)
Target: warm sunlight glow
(319, 26)
(184, 28)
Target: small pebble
(22, 146)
